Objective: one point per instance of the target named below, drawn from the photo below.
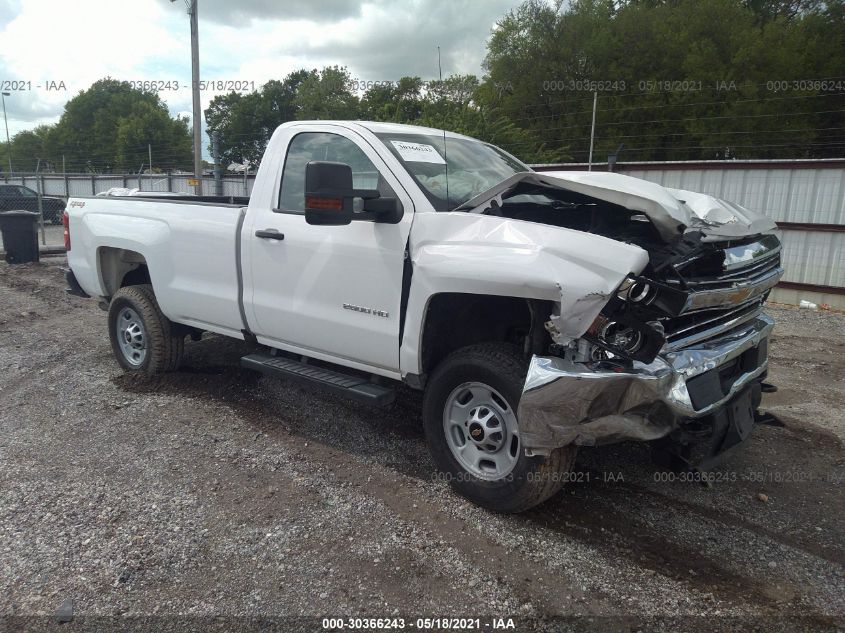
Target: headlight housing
(627, 327)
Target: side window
(309, 146)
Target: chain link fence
(69, 185)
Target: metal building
(805, 197)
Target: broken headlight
(627, 327)
(627, 337)
(636, 290)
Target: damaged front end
(678, 348)
(680, 351)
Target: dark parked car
(14, 197)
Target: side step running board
(354, 387)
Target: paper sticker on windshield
(418, 152)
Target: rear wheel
(471, 425)
(143, 339)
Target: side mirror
(329, 193)
(386, 210)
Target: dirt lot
(214, 492)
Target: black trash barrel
(20, 236)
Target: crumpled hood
(670, 210)
(719, 218)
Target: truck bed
(188, 247)
(238, 201)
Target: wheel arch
(453, 320)
(119, 267)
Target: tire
(143, 340)
(493, 374)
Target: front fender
(478, 254)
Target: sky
(52, 49)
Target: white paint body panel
(189, 250)
(670, 210)
(294, 290)
(790, 193)
(480, 254)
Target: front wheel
(471, 425)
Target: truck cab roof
(377, 127)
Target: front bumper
(596, 403)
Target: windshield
(473, 166)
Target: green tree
(676, 79)
(149, 128)
(399, 102)
(108, 126)
(326, 94)
(245, 122)
(28, 147)
(233, 116)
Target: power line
(731, 147)
(672, 105)
(689, 134)
(704, 118)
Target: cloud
(248, 40)
(388, 40)
(397, 39)
(71, 45)
(245, 12)
(8, 10)
(28, 111)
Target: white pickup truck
(539, 312)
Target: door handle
(270, 234)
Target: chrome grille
(735, 261)
(750, 273)
(695, 327)
(727, 288)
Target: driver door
(332, 292)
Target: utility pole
(195, 84)
(592, 132)
(40, 191)
(195, 90)
(150, 152)
(215, 154)
(3, 96)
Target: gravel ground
(214, 493)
